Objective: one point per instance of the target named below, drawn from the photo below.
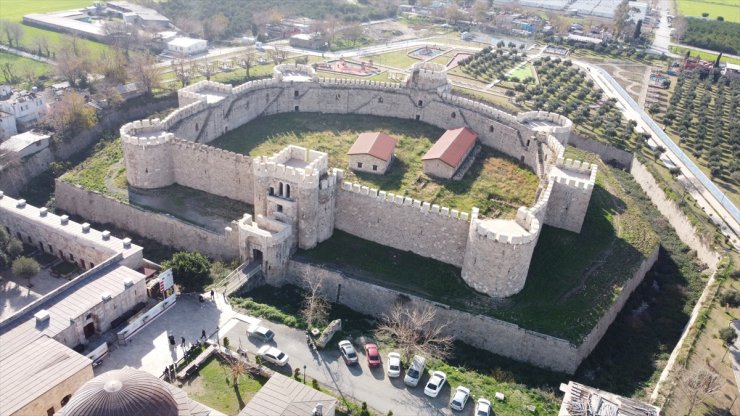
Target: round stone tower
(147, 154)
(498, 253)
(428, 76)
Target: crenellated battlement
(487, 110)
(554, 123)
(264, 167)
(400, 200)
(198, 147)
(182, 113)
(359, 83)
(524, 229)
(575, 173)
(294, 72)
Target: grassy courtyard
(572, 280)
(496, 184)
(214, 387)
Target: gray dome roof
(126, 392)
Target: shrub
(727, 335)
(730, 298)
(191, 270)
(25, 267)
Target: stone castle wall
(499, 337)
(162, 228)
(402, 223)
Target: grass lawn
(20, 64)
(14, 10)
(522, 72)
(213, 386)
(398, 59)
(98, 170)
(729, 9)
(707, 56)
(495, 184)
(572, 280)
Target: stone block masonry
(161, 228)
(494, 335)
(402, 223)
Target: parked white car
(461, 396)
(348, 352)
(435, 383)
(415, 371)
(273, 355)
(482, 408)
(394, 364)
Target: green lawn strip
(397, 59)
(213, 386)
(493, 177)
(21, 64)
(522, 72)
(484, 373)
(707, 56)
(556, 300)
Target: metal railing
(706, 182)
(239, 277)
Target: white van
(415, 371)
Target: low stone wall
(678, 220)
(606, 152)
(162, 228)
(494, 335)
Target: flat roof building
(283, 396)
(446, 156)
(187, 46)
(26, 144)
(582, 400)
(372, 152)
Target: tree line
(717, 35)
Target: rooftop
(582, 400)
(20, 141)
(183, 42)
(452, 147)
(284, 396)
(375, 144)
(31, 361)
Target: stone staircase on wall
(204, 127)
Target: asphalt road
(358, 382)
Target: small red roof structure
(375, 144)
(452, 147)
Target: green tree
(25, 267)
(191, 270)
(638, 29)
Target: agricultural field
(702, 118)
(564, 89)
(707, 56)
(489, 64)
(496, 184)
(712, 34)
(13, 10)
(729, 9)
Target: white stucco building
(20, 110)
(187, 46)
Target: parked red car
(373, 357)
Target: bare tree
(73, 62)
(121, 35)
(41, 43)
(353, 32)
(112, 65)
(144, 71)
(216, 26)
(13, 32)
(247, 61)
(71, 115)
(29, 75)
(183, 70)
(315, 308)
(698, 384)
(415, 330)
(479, 10)
(189, 25)
(9, 72)
(277, 55)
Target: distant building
(307, 41)
(696, 63)
(446, 156)
(134, 13)
(372, 152)
(20, 110)
(731, 71)
(26, 144)
(187, 46)
(641, 12)
(582, 400)
(585, 39)
(130, 90)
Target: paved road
(358, 381)
(720, 209)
